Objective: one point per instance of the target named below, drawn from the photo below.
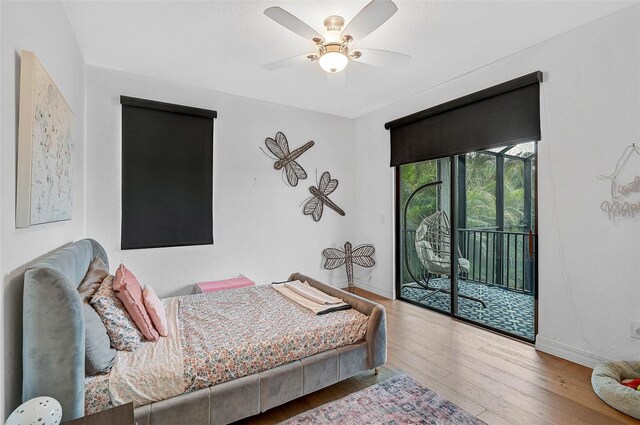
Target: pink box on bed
(219, 285)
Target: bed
(54, 335)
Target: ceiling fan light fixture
(333, 62)
(334, 47)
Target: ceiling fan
(334, 49)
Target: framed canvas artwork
(44, 190)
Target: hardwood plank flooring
(500, 380)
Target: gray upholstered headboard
(53, 326)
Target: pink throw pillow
(129, 291)
(156, 310)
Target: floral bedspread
(96, 394)
(234, 333)
(229, 334)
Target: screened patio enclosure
(484, 223)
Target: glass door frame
(453, 214)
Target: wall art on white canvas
(44, 148)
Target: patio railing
(499, 258)
(496, 257)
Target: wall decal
(286, 160)
(314, 206)
(361, 255)
(624, 193)
(43, 186)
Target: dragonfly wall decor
(314, 206)
(361, 255)
(286, 160)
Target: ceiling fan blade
(383, 58)
(337, 80)
(283, 63)
(292, 23)
(369, 18)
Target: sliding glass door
(424, 195)
(466, 237)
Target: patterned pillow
(99, 355)
(123, 333)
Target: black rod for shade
(167, 107)
(496, 116)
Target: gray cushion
(235, 400)
(185, 409)
(319, 371)
(280, 385)
(352, 360)
(606, 378)
(99, 355)
(142, 415)
(96, 273)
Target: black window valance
(503, 114)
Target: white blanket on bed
(314, 294)
(305, 302)
(155, 371)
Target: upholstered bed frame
(53, 352)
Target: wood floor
(497, 379)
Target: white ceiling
(221, 45)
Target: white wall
(44, 28)
(588, 266)
(259, 228)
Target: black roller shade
(167, 174)
(508, 113)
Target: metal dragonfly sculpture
(361, 255)
(314, 206)
(286, 160)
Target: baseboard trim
(568, 352)
(375, 290)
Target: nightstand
(119, 415)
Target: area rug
(397, 401)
